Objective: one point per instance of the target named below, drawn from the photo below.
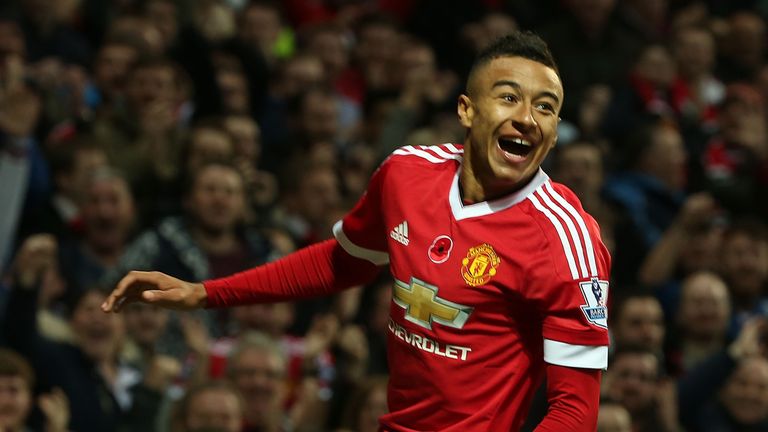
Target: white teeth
(521, 142)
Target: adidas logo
(400, 233)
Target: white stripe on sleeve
(580, 356)
(560, 232)
(376, 257)
(571, 229)
(579, 220)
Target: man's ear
(465, 110)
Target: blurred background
(202, 137)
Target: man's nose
(522, 117)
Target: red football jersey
(484, 294)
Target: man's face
(108, 213)
(145, 323)
(744, 263)
(745, 394)
(208, 144)
(15, 402)
(156, 84)
(97, 334)
(632, 381)
(111, 68)
(215, 409)
(218, 198)
(580, 167)
(319, 117)
(512, 114)
(704, 306)
(259, 376)
(641, 324)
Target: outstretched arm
(574, 398)
(317, 270)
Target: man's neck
(474, 189)
(106, 256)
(215, 242)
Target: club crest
(480, 265)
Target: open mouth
(515, 148)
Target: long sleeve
(318, 270)
(574, 399)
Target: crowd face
(15, 402)
(234, 91)
(640, 324)
(613, 418)
(97, 334)
(300, 73)
(632, 380)
(246, 137)
(331, 48)
(108, 213)
(704, 307)
(580, 167)
(320, 117)
(745, 39)
(215, 409)
(666, 158)
(745, 394)
(318, 194)
(217, 199)
(744, 262)
(260, 28)
(152, 85)
(259, 376)
(145, 323)
(694, 51)
(86, 161)
(208, 144)
(656, 66)
(510, 98)
(111, 68)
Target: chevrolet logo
(423, 306)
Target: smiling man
(500, 275)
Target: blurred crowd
(202, 137)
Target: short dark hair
(12, 364)
(525, 44)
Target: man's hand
(158, 289)
(55, 408)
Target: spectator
(366, 405)
(701, 321)
(743, 47)
(633, 380)
(639, 322)
(690, 244)
(108, 217)
(648, 195)
(580, 165)
(744, 267)
(102, 392)
(71, 164)
(729, 390)
(735, 159)
(214, 405)
(745, 399)
(613, 417)
(207, 240)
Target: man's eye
(545, 106)
(509, 98)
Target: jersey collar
(484, 208)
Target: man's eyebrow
(516, 86)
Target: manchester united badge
(480, 265)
